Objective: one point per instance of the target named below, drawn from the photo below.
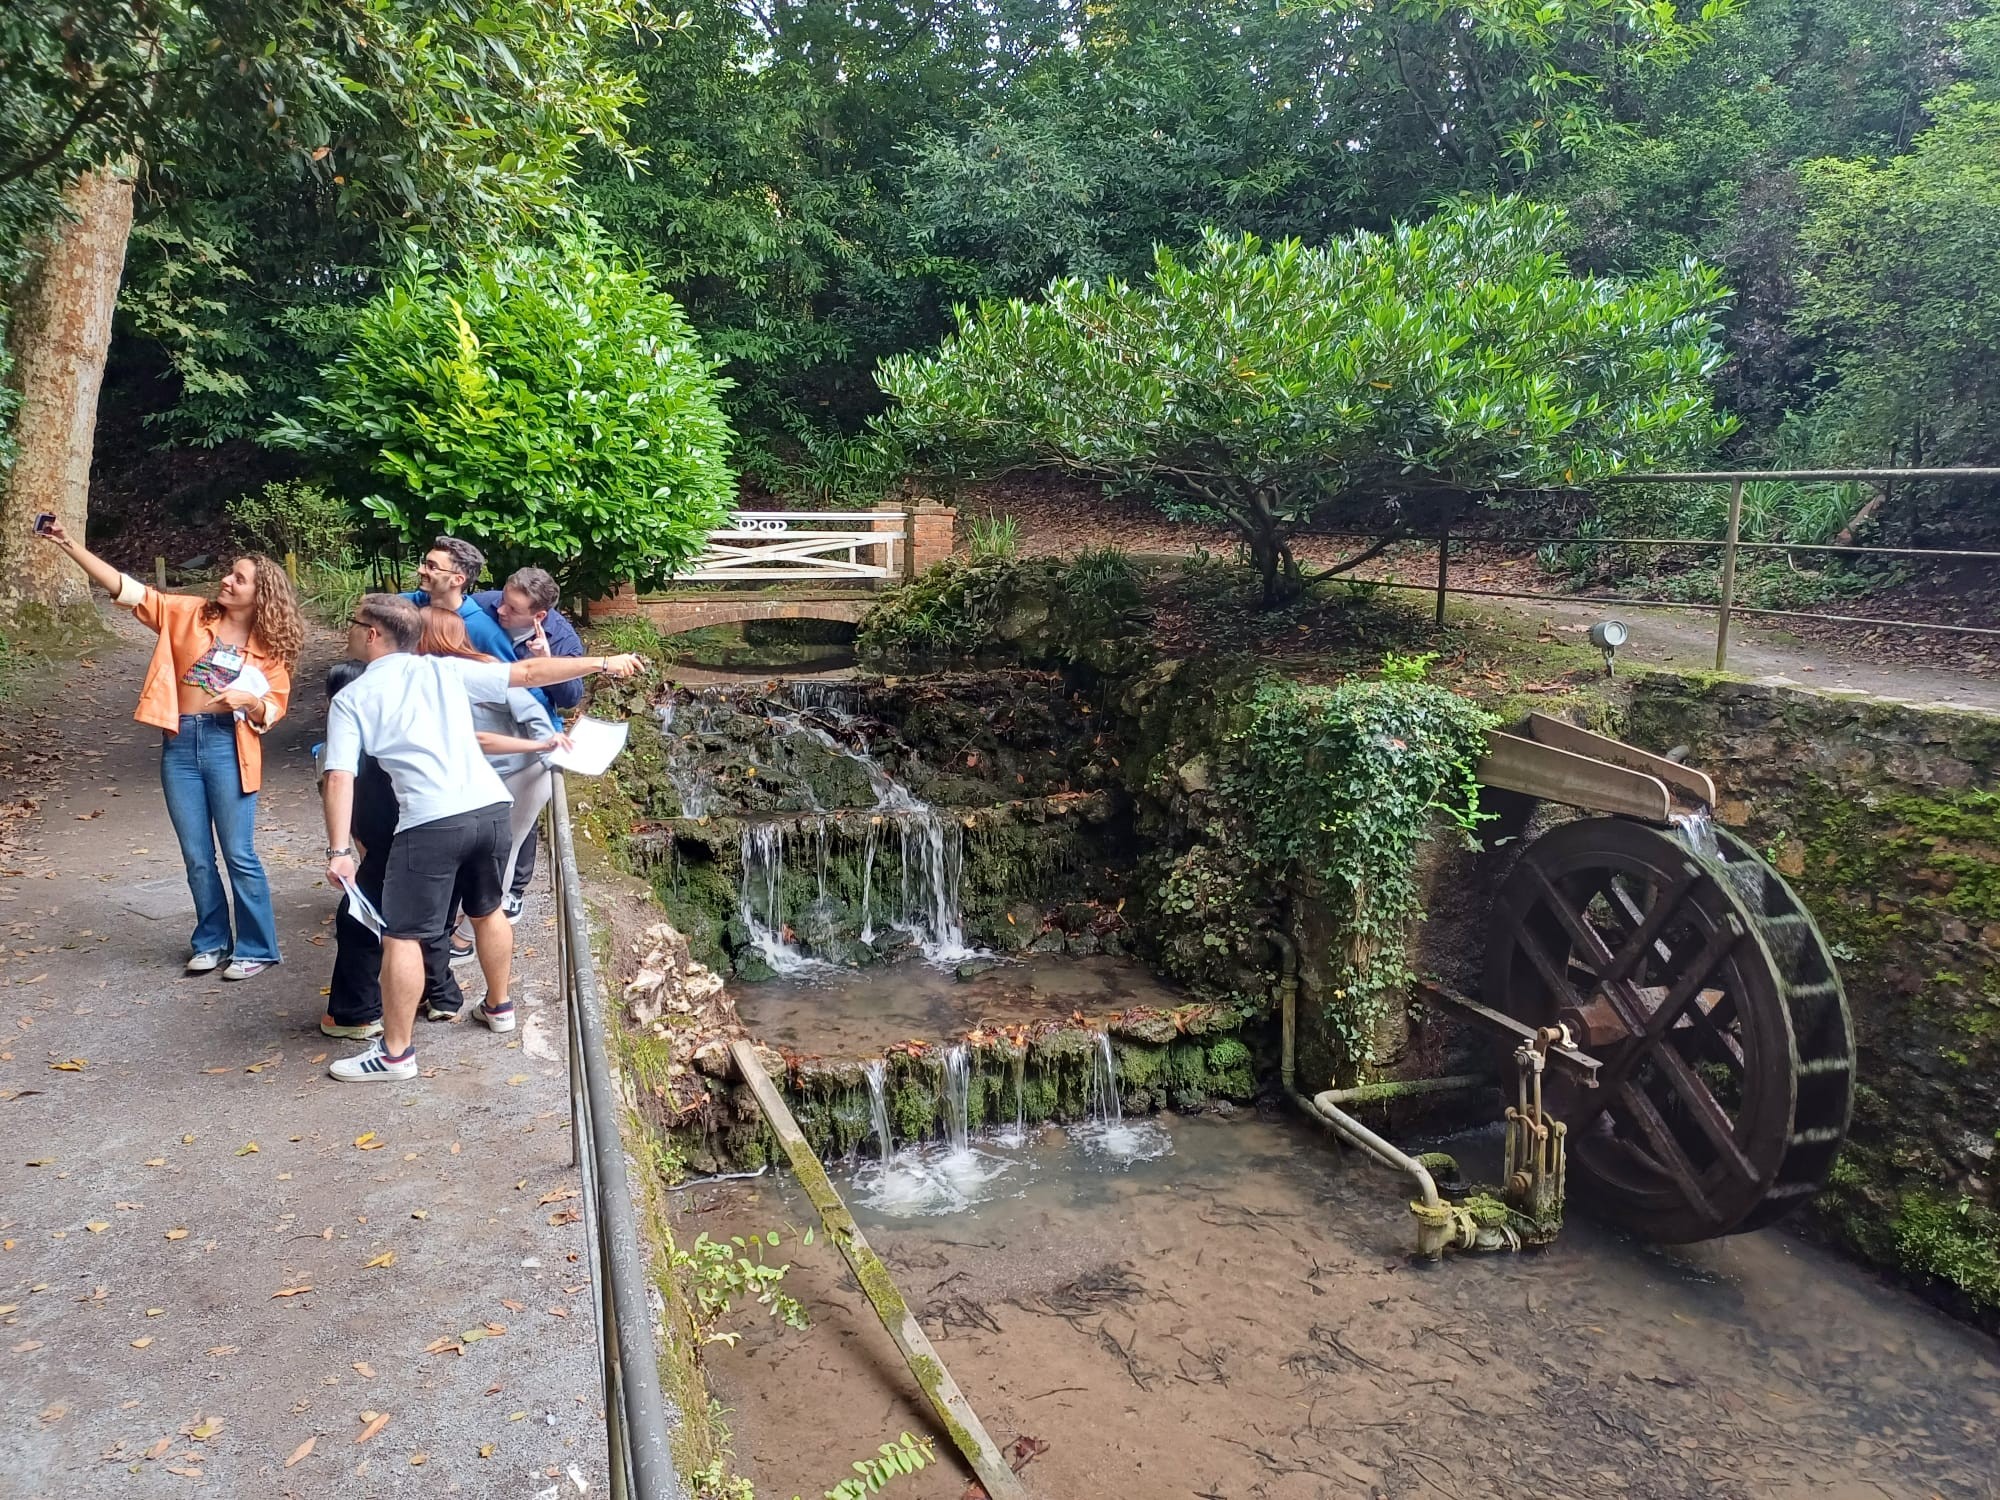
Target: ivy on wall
(1341, 786)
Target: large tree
(1400, 375)
(428, 115)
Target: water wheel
(1706, 990)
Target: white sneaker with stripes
(375, 1066)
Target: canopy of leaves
(1901, 289)
(1265, 386)
(550, 405)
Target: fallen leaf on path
(364, 1138)
(365, 1370)
(512, 1306)
(72, 1065)
(417, 1460)
(177, 1234)
(216, 1072)
(159, 1449)
(517, 1080)
(26, 1346)
(386, 1258)
(97, 1226)
(156, 1161)
(291, 1291)
(220, 1351)
(302, 1451)
(558, 1195)
(248, 1148)
(443, 1345)
(376, 1421)
(566, 1216)
(419, 1213)
(485, 1450)
(203, 1429)
(141, 1343)
(185, 1473)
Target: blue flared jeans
(208, 806)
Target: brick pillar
(622, 601)
(931, 528)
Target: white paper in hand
(363, 910)
(594, 745)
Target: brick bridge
(791, 557)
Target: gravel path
(212, 1255)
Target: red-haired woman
(515, 739)
(220, 677)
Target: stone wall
(1886, 820)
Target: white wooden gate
(791, 544)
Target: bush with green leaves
(295, 516)
(1079, 609)
(1402, 374)
(548, 403)
(1340, 787)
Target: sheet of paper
(363, 910)
(251, 680)
(596, 744)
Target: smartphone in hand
(44, 521)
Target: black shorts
(466, 852)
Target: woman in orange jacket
(220, 677)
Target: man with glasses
(444, 575)
(413, 715)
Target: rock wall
(1886, 820)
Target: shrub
(995, 537)
(298, 517)
(548, 404)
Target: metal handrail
(635, 1405)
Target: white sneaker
(245, 968)
(511, 906)
(375, 1066)
(496, 1020)
(367, 1031)
(205, 963)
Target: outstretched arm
(98, 570)
(543, 670)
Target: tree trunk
(59, 335)
(1271, 554)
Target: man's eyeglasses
(363, 624)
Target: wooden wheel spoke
(1721, 943)
(1667, 1151)
(1552, 975)
(1647, 928)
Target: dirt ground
(1238, 1321)
(212, 1255)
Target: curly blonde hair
(277, 626)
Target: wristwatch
(347, 853)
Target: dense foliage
(1267, 387)
(550, 405)
(1341, 785)
(1083, 611)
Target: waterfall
(762, 848)
(1697, 831)
(933, 866)
(868, 887)
(877, 1073)
(958, 1098)
(1104, 1106)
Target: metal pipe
(1639, 603)
(1727, 476)
(1728, 575)
(1376, 1093)
(632, 1377)
(1325, 1107)
(1698, 541)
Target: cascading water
(930, 849)
(762, 848)
(1108, 1133)
(958, 1098)
(1697, 831)
(877, 1074)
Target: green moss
(1957, 1242)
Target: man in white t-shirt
(413, 714)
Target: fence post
(160, 574)
(1728, 575)
(292, 567)
(1444, 564)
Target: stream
(1238, 1319)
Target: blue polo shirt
(563, 641)
(482, 629)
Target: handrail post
(1444, 564)
(1728, 575)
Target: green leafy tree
(550, 404)
(1264, 388)
(1901, 288)
(431, 116)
